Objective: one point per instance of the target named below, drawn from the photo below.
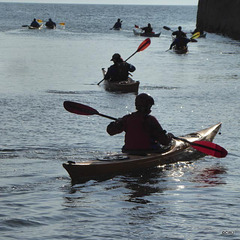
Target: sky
(139, 2)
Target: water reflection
(211, 176)
(135, 187)
(143, 185)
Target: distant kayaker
(118, 24)
(180, 42)
(50, 24)
(179, 33)
(119, 70)
(147, 29)
(142, 131)
(35, 24)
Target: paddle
(205, 147)
(81, 109)
(41, 21)
(141, 47)
(208, 148)
(195, 35)
(167, 28)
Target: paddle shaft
(106, 116)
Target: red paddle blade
(79, 108)
(210, 148)
(144, 45)
(136, 26)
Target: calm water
(41, 69)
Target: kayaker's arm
(131, 68)
(115, 127)
(107, 76)
(158, 133)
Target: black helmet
(116, 57)
(179, 28)
(144, 101)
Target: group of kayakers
(143, 132)
(118, 26)
(49, 24)
(180, 40)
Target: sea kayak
(124, 86)
(116, 28)
(40, 27)
(117, 164)
(51, 27)
(181, 50)
(138, 33)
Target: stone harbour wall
(219, 16)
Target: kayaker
(179, 33)
(148, 29)
(50, 23)
(181, 40)
(180, 43)
(119, 70)
(118, 24)
(142, 130)
(35, 24)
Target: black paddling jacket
(119, 71)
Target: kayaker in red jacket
(142, 131)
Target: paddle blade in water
(210, 148)
(39, 20)
(79, 108)
(62, 23)
(144, 45)
(136, 26)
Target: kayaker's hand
(118, 120)
(170, 135)
(115, 127)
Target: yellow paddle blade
(196, 35)
(39, 20)
(62, 23)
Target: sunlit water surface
(41, 69)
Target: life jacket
(137, 130)
(119, 72)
